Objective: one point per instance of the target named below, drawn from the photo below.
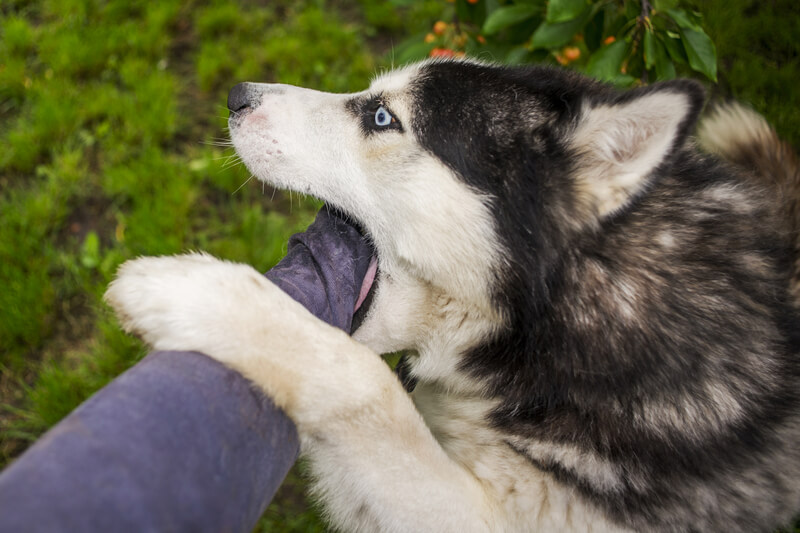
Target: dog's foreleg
(376, 465)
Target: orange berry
(571, 53)
(481, 39)
(472, 1)
(441, 52)
(430, 38)
(561, 59)
(439, 27)
(610, 39)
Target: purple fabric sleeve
(324, 267)
(179, 442)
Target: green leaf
(649, 49)
(507, 16)
(564, 10)
(593, 32)
(606, 63)
(674, 49)
(683, 20)
(556, 35)
(469, 12)
(518, 54)
(623, 80)
(665, 70)
(631, 10)
(493, 49)
(412, 49)
(491, 5)
(701, 52)
(614, 21)
(662, 5)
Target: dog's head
(468, 177)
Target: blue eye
(383, 117)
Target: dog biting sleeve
(179, 442)
(324, 267)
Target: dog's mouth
(366, 294)
(368, 283)
(365, 260)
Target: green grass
(110, 119)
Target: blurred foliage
(747, 48)
(625, 42)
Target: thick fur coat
(601, 318)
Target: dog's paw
(186, 302)
(235, 315)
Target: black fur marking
(619, 343)
(403, 372)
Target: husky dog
(601, 318)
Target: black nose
(239, 97)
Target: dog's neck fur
(412, 314)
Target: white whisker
(243, 184)
(231, 162)
(218, 142)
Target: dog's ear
(620, 144)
